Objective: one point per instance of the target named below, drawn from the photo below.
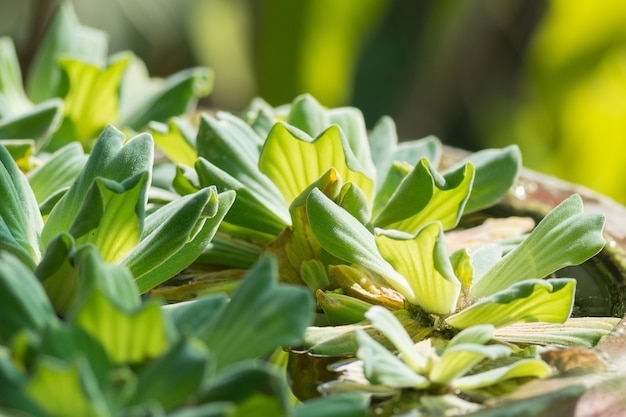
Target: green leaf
(65, 37)
(144, 100)
(175, 235)
(424, 263)
(496, 172)
(231, 145)
(534, 368)
(248, 211)
(460, 358)
(352, 124)
(189, 317)
(527, 301)
(389, 184)
(174, 376)
(385, 149)
(25, 306)
(111, 217)
(63, 389)
(110, 158)
(256, 387)
(308, 115)
(57, 173)
(292, 160)
(259, 302)
(342, 405)
(38, 123)
(175, 140)
(382, 367)
(354, 200)
(114, 281)
(13, 100)
(343, 236)
(58, 274)
(91, 97)
(583, 332)
(424, 196)
(20, 221)
(128, 336)
(384, 321)
(340, 308)
(542, 252)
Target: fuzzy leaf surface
(293, 160)
(424, 263)
(566, 236)
(533, 300)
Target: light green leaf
(292, 160)
(439, 405)
(345, 237)
(58, 274)
(527, 301)
(425, 196)
(352, 124)
(256, 387)
(91, 97)
(385, 149)
(496, 171)
(584, 332)
(25, 306)
(175, 140)
(541, 253)
(175, 235)
(479, 334)
(308, 115)
(114, 281)
(144, 100)
(57, 173)
(65, 37)
(190, 317)
(383, 141)
(21, 151)
(259, 302)
(37, 122)
(424, 263)
(389, 184)
(352, 404)
(111, 217)
(231, 145)
(228, 250)
(384, 321)
(20, 221)
(354, 200)
(174, 376)
(63, 389)
(459, 359)
(534, 368)
(128, 336)
(249, 211)
(110, 158)
(382, 367)
(341, 309)
(13, 100)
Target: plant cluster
(285, 227)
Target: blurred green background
(549, 75)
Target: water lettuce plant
(469, 364)
(162, 266)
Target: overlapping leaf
(531, 300)
(566, 236)
(424, 263)
(293, 161)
